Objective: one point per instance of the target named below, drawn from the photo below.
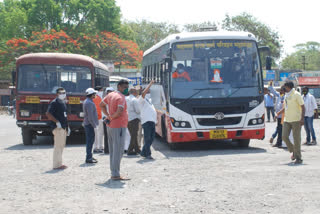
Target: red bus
(38, 75)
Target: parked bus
(38, 76)
(208, 86)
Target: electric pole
(304, 62)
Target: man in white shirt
(148, 117)
(134, 121)
(310, 105)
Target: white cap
(109, 89)
(91, 91)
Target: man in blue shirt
(268, 101)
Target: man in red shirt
(181, 73)
(117, 120)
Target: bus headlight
(180, 124)
(24, 113)
(256, 121)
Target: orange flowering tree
(103, 46)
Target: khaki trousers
(295, 127)
(60, 136)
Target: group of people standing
(116, 111)
(293, 110)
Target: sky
(295, 21)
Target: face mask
(62, 96)
(125, 92)
(304, 93)
(100, 94)
(180, 71)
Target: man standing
(117, 119)
(268, 101)
(134, 121)
(57, 113)
(279, 106)
(293, 120)
(148, 121)
(90, 123)
(98, 140)
(310, 105)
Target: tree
(205, 26)
(306, 56)
(264, 34)
(102, 46)
(146, 34)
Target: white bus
(208, 86)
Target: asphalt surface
(201, 177)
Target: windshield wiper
(238, 88)
(199, 90)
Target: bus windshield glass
(215, 69)
(315, 92)
(47, 78)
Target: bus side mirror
(13, 77)
(167, 64)
(268, 63)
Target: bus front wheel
(243, 143)
(26, 136)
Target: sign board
(32, 99)
(284, 76)
(270, 75)
(309, 80)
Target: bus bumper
(204, 135)
(45, 125)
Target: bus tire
(26, 136)
(243, 143)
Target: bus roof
(192, 36)
(60, 58)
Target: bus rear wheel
(26, 136)
(243, 143)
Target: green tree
(13, 19)
(146, 34)
(264, 34)
(306, 56)
(204, 26)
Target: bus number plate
(218, 134)
(74, 100)
(32, 99)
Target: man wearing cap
(117, 119)
(57, 113)
(106, 146)
(98, 145)
(90, 123)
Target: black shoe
(92, 161)
(131, 153)
(298, 161)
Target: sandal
(120, 178)
(61, 167)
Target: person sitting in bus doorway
(268, 102)
(310, 104)
(57, 113)
(181, 73)
(90, 123)
(105, 127)
(98, 140)
(148, 117)
(117, 121)
(134, 121)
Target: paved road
(200, 178)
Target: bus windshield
(215, 69)
(47, 78)
(315, 92)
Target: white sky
(296, 21)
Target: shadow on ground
(202, 148)
(45, 142)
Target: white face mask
(180, 71)
(62, 96)
(100, 94)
